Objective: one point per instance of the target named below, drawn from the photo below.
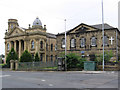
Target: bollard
(11, 64)
(16, 64)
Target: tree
(11, 56)
(37, 57)
(26, 57)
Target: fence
(37, 66)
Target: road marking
(5, 75)
(51, 85)
(43, 80)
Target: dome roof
(37, 22)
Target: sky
(52, 13)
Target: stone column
(37, 46)
(11, 64)
(15, 46)
(19, 48)
(24, 45)
(16, 64)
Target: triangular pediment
(82, 28)
(16, 31)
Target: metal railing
(37, 65)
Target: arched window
(8, 46)
(41, 44)
(63, 43)
(51, 47)
(105, 40)
(82, 40)
(32, 44)
(72, 43)
(11, 26)
(93, 41)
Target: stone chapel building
(34, 39)
(86, 40)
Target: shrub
(37, 57)
(26, 57)
(11, 56)
(107, 56)
(75, 61)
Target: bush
(37, 57)
(74, 61)
(26, 57)
(107, 56)
(11, 56)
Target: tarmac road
(23, 79)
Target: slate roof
(50, 35)
(97, 26)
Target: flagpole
(65, 47)
(103, 32)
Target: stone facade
(86, 40)
(34, 39)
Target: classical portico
(18, 46)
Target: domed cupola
(37, 23)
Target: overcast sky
(53, 12)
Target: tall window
(51, 47)
(51, 58)
(72, 43)
(11, 26)
(32, 44)
(41, 44)
(105, 40)
(82, 42)
(63, 43)
(93, 41)
(8, 46)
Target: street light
(65, 47)
(103, 31)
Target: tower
(12, 23)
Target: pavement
(55, 79)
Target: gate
(37, 66)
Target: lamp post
(65, 47)
(103, 32)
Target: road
(22, 79)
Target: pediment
(82, 28)
(16, 31)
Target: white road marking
(51, 85)
(5, 75)
(43, 80)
